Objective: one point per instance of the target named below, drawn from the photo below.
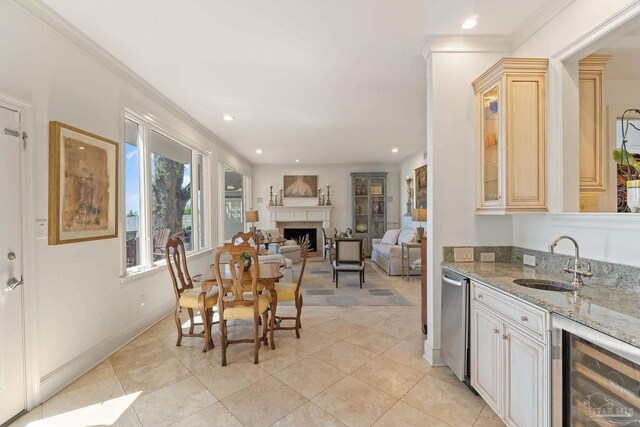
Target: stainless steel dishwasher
(455, 324)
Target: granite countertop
(611, 310)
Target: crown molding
(614, 22)
(466, 44)
(538, 19)
(68, 31)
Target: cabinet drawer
(519, 313)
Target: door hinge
(24, 140)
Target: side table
(406, 267)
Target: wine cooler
(596, 378)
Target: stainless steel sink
(543, 285)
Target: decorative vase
(247, 264)
(633, 195)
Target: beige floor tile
(388, 376)
(372, 341)
(408, 354)
(223, 381)
(311, 340)
(345, 356)
(362, 317)
(310, 376)
(130, 358)
(339, 328)
(101, 372)
(445, 374)
(153, 377)
(407, 416)
(213, 415)
(453, 404)
(173, 403)
(488, 418)
(263, 403)
(30, 417)
(396, 328)
(104, 402)
(312, 320)
(144, 338)
(275, 360)
(354, 403)
(308, 415)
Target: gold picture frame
(83, 185)
(421, 187)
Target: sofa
(290, 249)
(387, 252)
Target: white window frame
(145, 126)
(246, 183)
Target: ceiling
(324, 82)
(624, 63)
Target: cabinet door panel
(524, 379)
(485, 355)
(526, 147)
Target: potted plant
(246, 258)
(622, 156)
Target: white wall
(83, 311)
(337, 176)
(601, 237)
(451, 165)
(408, 168)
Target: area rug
(319, 289)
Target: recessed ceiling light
(469, 23)
(259, 151)
(297, 160)
(228, 118)
(394, 150)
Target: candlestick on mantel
(319, 197)
(271, 195)
(328, 195)
(281, 202)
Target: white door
(485, 355)
(524, 379)
(12, 374)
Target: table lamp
(420, 215)
(252, 217)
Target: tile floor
(354, 366)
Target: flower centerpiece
(622, 156)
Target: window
(164, 194)
(233, 202)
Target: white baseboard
(432, 355)
(58, 379)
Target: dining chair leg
(265, 322)
(209, 325)
(176, 316)
(191, 323)
(336, 273)
(298, 309)
(256, 341)
(360, 280)
(223, 341)
(299, 315)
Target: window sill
(157, 268)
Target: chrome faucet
(577, 265)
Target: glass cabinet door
(377, 208)
(361, 205)
(490, 146)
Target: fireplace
(299, 233)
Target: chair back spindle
(177, 265)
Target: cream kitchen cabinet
(509, 358)
(511, 134)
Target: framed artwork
(83, 185)
(421, 187)
(300, 186)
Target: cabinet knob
(505, 337)
(496, 331)
(524, 318)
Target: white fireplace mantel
(279, 214)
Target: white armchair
(290, 249)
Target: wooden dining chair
(237, 303)
(186, 295)
(291, 292)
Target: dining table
(268, 275)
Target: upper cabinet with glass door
(511, 129)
